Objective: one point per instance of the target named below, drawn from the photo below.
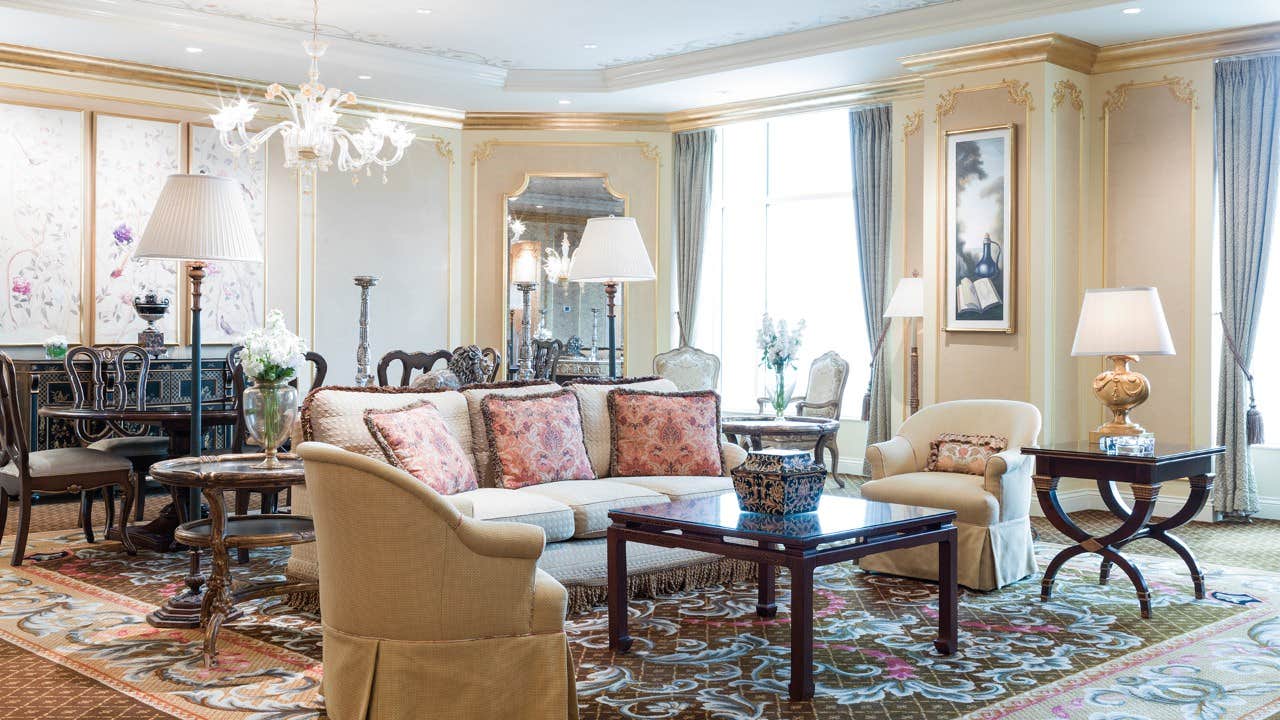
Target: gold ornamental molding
(153, 76)
(444, 147)
(1053, 48)
(1247, 40)
(1019, 94)
(913, 124)
(1067, 91)
(883, 91)
(633, 122)
(1180, 87)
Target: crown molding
(1062, 50)
(630, 122)
(902, 87)
(208, 84)
(1197, 46)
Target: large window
(781, 239)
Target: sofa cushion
(476, 394)
(592, 500)
(535, 439)
(665, 433)
(593, 400)
(555, 518)
(949, 491)
(417, 441)
(335, 415)
(957, 452)
(677, 487)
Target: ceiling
(571, 55)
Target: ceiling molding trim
(1062, 50)
(154, 76)
(630, 122)
(1197, 46)
(903, 87)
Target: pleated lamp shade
(611, 251)
(200, 217)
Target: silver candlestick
(363, 376)
(595, 332)
(526, 332)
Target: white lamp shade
(1122, 321)
(524, 262)
(200, 217)
(611, 251)
(907, 300)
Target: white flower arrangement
(778, 345)
(272, 353)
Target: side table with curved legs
(1145, 475)
(221, 533)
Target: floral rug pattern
(1085, 655)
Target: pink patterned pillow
(536, 439)
(416, 440)
(959, 453)
(665, 434)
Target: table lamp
(1121, 324)
(611, 252)
(524, 273)
(908, 302)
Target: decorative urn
(151, 308)
(779, 482)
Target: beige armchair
(993, 511)
(426, 613)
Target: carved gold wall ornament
(483, 151)
(947, 101)
(444, 148)
(1067, 91)
(649, 151)
(1180, 87)
(913, 123)
(1019, 93)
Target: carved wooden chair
(689, 368)
(410, 361)
(460, 367)
(546, 353)
(58, 471)
(108, 386)
(824, 398)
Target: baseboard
(1268, 508)
(850, 466)
(1089, 499)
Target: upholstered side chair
(59, 471)
(689, 368)
(427, 613)
(824, 398)
(993, 509)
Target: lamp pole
(363, 376)
(526, 331)
(610, 295)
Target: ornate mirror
(544, 221)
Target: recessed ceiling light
(109, 2)
(538, 206)
(424, 11)
(1131, 10)
(364, 77)
(195, 50)
(565, 101)
(589, 46)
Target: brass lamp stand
(1120, 389)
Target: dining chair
(689, 368)
(108, 386)
(546, 353)
(410, 361)
(70, 470)
(824, 398)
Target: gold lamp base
(1120, 390)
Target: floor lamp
(524, 273)
(908, 302)
(197, 218)
(611, 252)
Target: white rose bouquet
(272, 353)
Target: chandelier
(312, 133)
(558, 264)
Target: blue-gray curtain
(871, 146)
(693, 153)
(1246, 100)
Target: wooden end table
(212, 476)
(1145, 474)
(841, 529)
(749, 432)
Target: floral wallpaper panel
(42, 171)
(234, 292)
(133, 158)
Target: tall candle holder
(363, 376)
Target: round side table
(212, 476)
(749, 432)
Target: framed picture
(980, 234)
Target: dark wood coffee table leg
(766, 596)
(948, 596)
(801, 686)
(619, 640)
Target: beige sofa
(574, 510)
(993, 510)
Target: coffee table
(841, 529)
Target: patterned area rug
(1085, 655)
